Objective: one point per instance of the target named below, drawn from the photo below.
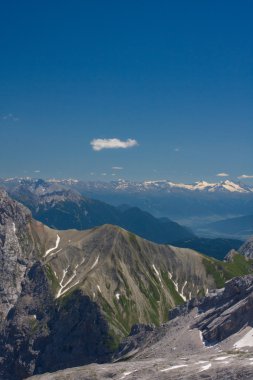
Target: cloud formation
(99, 144)
(222, 175)
(117, 168)
(243, 176)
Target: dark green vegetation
(239, 226)
(223, 271)
(217, 248)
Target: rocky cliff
(247, 248)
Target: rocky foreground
(207, 339)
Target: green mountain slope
(131, 279)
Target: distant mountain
(142, 187)
(193, 204)
(217, 248)
(158, 186)
(63, 208)
(235, 227)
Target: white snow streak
(182, 291)
(117, 295)
(95, 263)
(222, 358)
(56, 246)
(54, 253)
(201, 337)
(63, 288)
(99, 289)
(157, 273)
(173, 367)
(56, 275)
(205, 367)
(174, 283)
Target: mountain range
(63, 208)
(193, 205)
(155, 186)
(68, 297)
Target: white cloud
(176, 150)
(99, 144)
(117, 168)
(245, 176)
(222, 175)
(103, 174)
(36, 171)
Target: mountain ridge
(146, 185)
(63, 208)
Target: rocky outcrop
(247, 249)
(17, 251)
(222, 312)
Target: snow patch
(246, 341)
(117, 295)
(157, 273)
(54, 248)
(201, 337)
(54, 253)
(173, 367)
(55, 274)
(63, 287)
(222, 358)
(99, 289)
(95, 263)
(205, 367)
(182, 291)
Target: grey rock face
(247, 248)
(17, 251)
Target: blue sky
(175, 77)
